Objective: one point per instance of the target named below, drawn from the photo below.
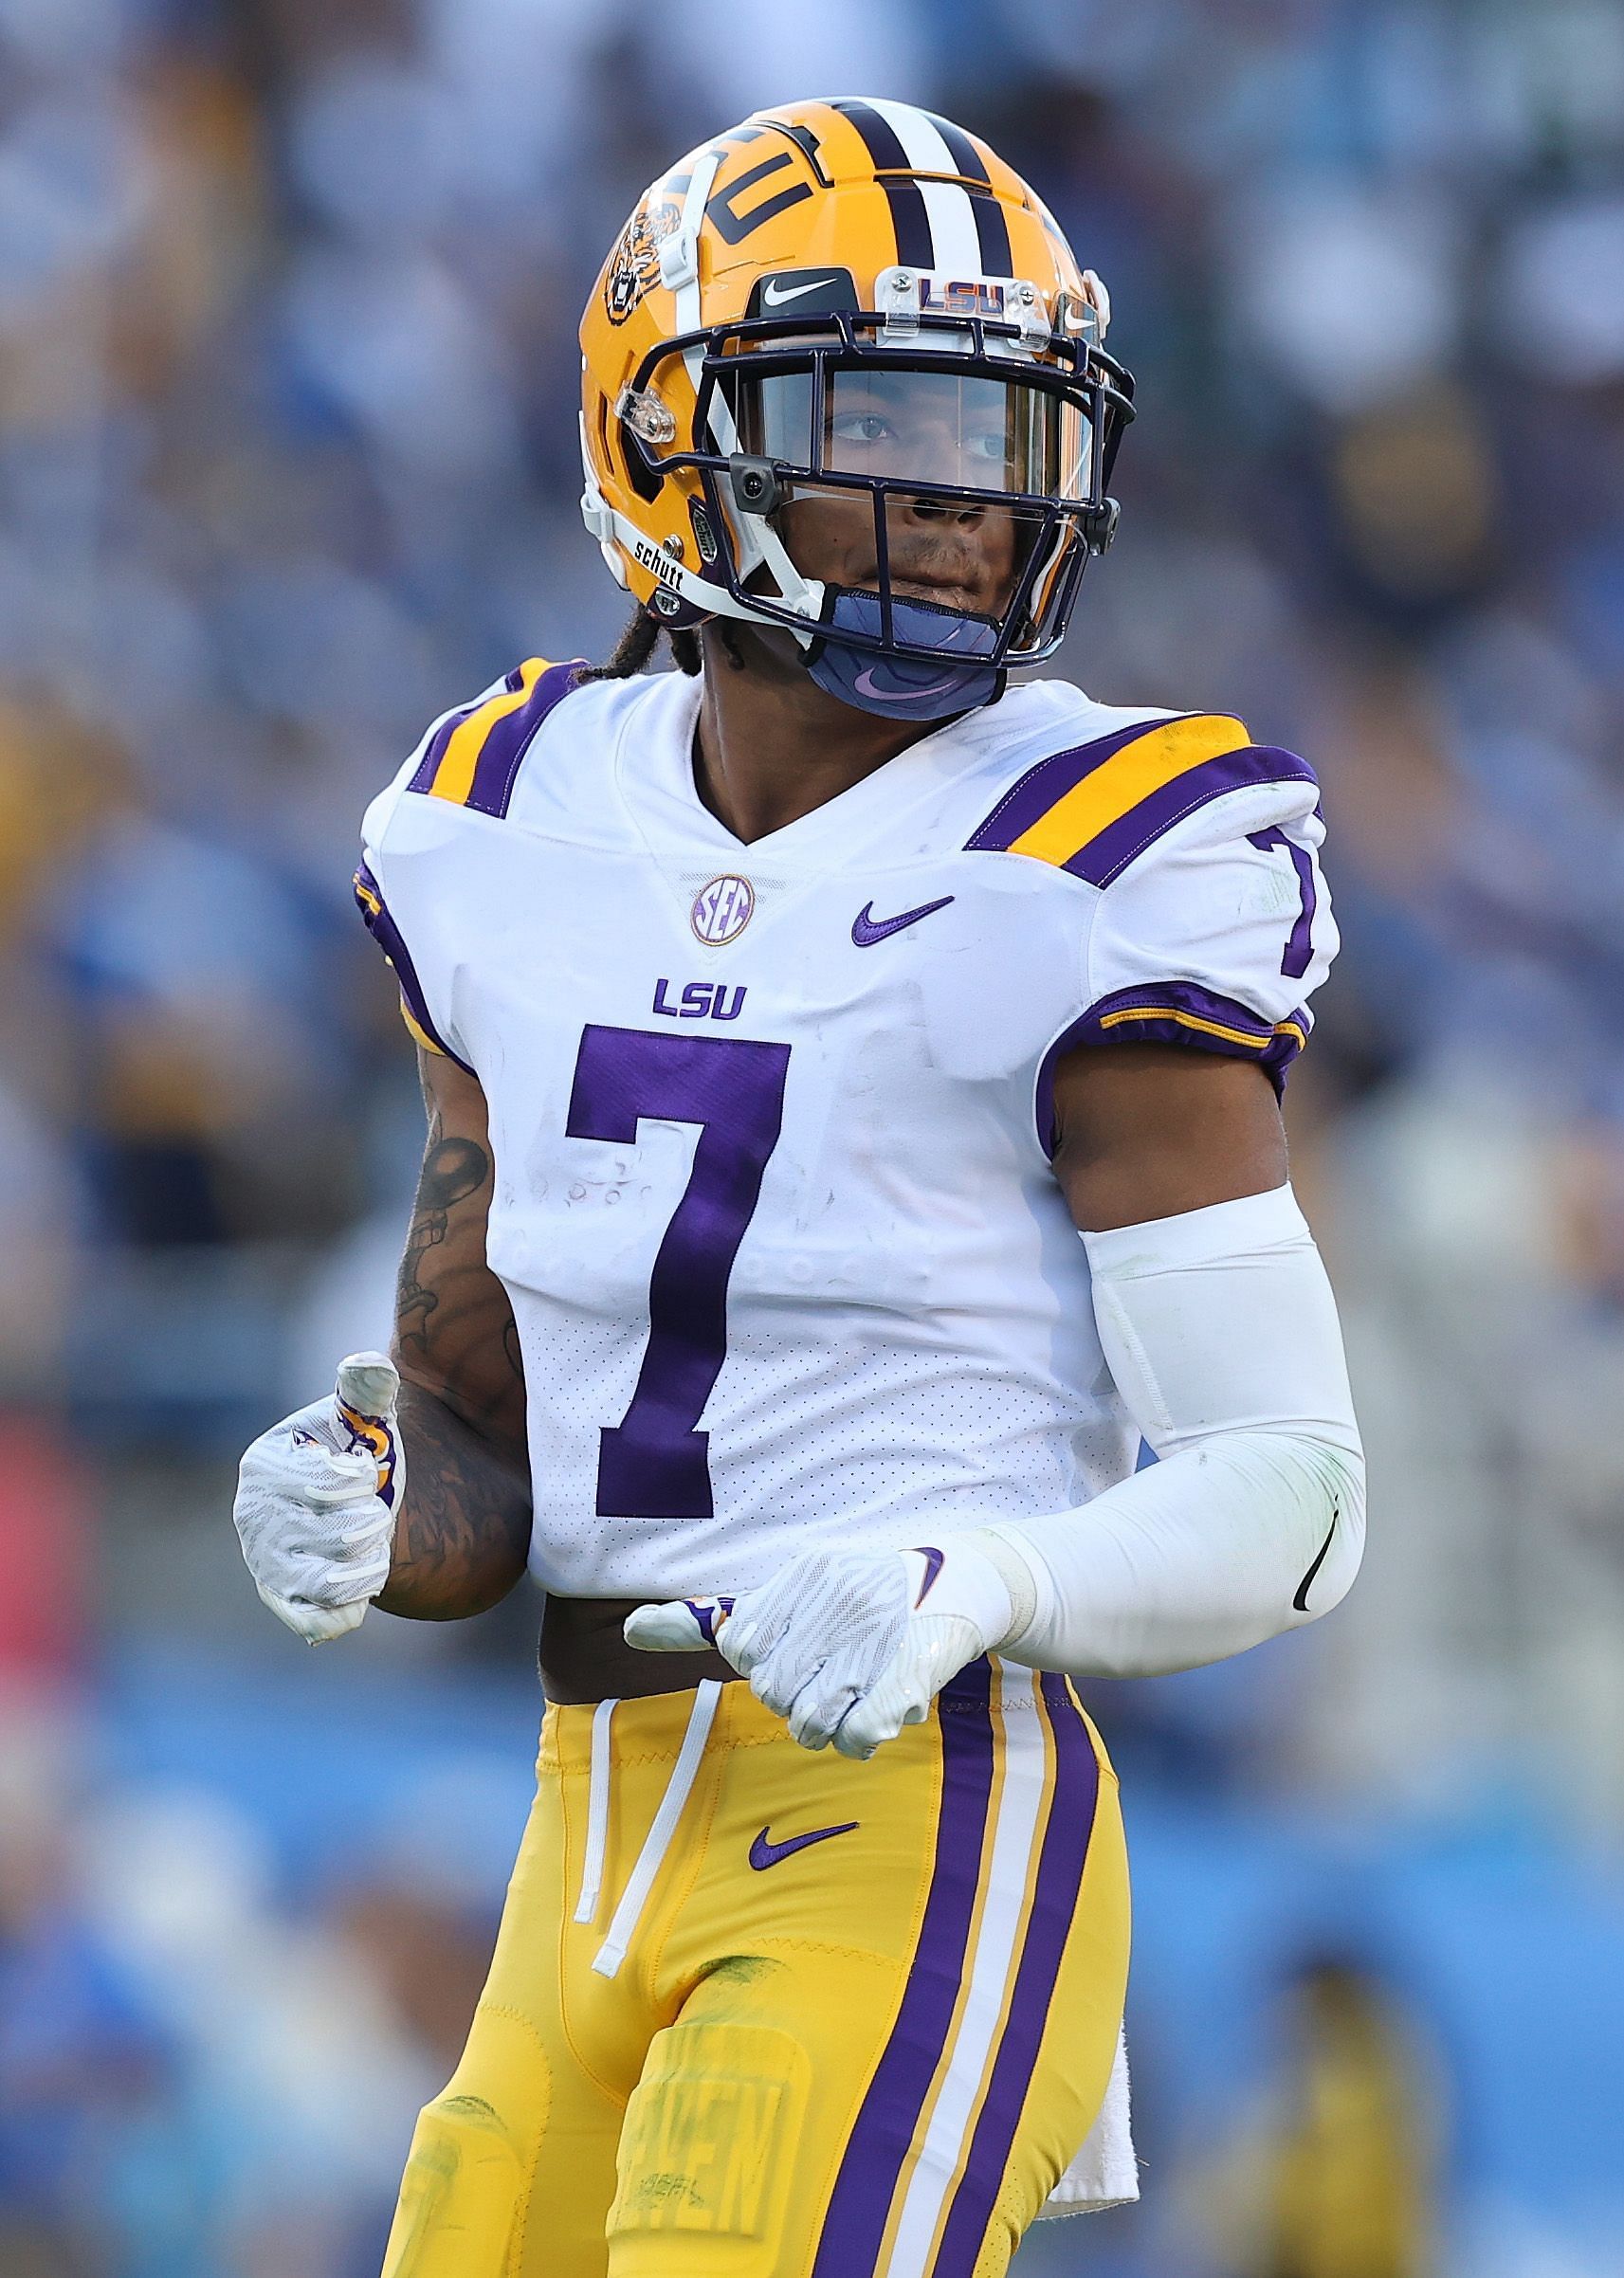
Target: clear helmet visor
(966, 432)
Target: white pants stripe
(1016, 1835)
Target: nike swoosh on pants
(764, 1853)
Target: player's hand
(851, 1646)
(316, 1497)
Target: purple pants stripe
(1060, 1861)
(866, 2183)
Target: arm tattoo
(462, 1531)
(453, 1169)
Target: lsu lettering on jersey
(771, 1123)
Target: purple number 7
(652, 1463)
(1299, 952)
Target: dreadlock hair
(637, 645)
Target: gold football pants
(847, 2020)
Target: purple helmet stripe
(385, 932)
(1178, 1012)
(878, 2143)
(1108, 854)
(992, 229)
(910, 218)
(496, 770)
(1060, 1861)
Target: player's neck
(771, 745)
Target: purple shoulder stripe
(502, 751)
(1179, 1012)
(1108, 854)
(435, 750)
(1029, 800)
(385, 932)
(495, 771)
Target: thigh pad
(707, 2153)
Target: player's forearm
(1221, 1334)
(464, 1528)
(1195, 1560)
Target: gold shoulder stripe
(454, 777)
(1136, 773)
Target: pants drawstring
(623, 1924)
(598, 1814)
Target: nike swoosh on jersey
(763, 1852)
(867, 929)
(1301, 1600)
(772, 298)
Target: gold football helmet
(851, 297)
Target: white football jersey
(771, 1122)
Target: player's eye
(862, 426)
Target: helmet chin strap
(614, 530)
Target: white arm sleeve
(1221, 1332)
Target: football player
(852, 1080)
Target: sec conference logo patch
(721, 910)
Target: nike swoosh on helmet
(774, 298)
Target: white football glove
(317, 1498)
(851, 1646)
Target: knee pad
(465, 2191)
(706, 2154)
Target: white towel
(1105, 2173)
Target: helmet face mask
(964, 439)
(897, 465)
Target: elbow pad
(1221, 1334)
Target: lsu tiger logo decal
(634, 267)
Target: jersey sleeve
(1213, 927)
(372, 871)
(467, 764)
(414, 1006)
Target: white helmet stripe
(956, 247)
(953, 228)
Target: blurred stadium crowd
(289, 292)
